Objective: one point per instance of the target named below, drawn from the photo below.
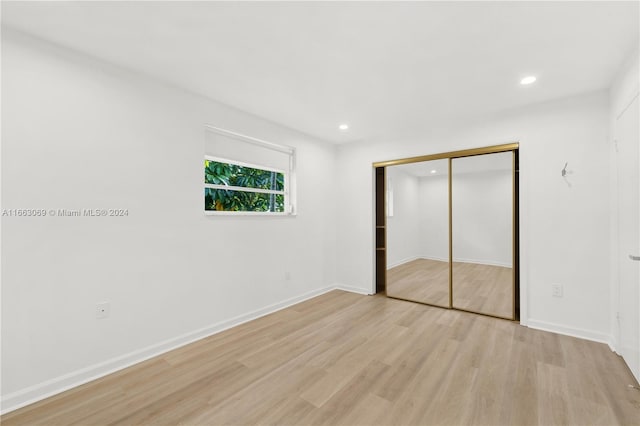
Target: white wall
(79, 133)
(564, 229)
(403, 240)
(434, 203)
(482, 209)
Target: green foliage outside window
(226, 174)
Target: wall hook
(564, 170)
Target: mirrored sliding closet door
(482, 234)
(417, 232)
(447, 230)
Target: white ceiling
(424, 168)
(389, 69)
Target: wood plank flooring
(421, 280)
(483, 288)
(480, 288)
(347, 359)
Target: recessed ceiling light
(343, 127)
(433, 171)
(528, 80)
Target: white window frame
(289, 176)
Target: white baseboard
(484, 262)
(613, 344)
(43, 390)
(438, 258)
(571, 331)
(443, 259)
(402, 262)
(358, 290)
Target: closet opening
(447, 230)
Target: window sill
(262, 214)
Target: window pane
(219, 173)
(241, 201)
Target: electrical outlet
(287, 276)
(103, 309)
(556, 290)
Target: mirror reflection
(482, 215)
(418, 232)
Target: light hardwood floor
(421, 280)
(483, 288)
(347, 359)
(480, 288)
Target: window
(244, 175)
(234, 187)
